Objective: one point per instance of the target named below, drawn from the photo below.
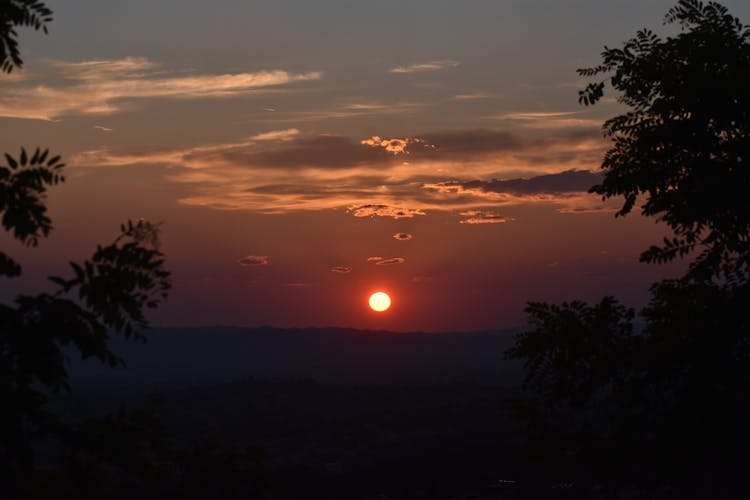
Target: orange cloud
(277, 135)
(385, 211)
(395, 146)
(483, 217)
(102, 86)
(391, 261)
(380, 261)
(341, 269)
(289, 171)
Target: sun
(380, 301)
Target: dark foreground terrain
(328, 442)
(333, 413)
(328, 414)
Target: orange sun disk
(380, 301)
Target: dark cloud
(341, 269)
(403, 236)
(570, 181)
(253, 260)
(324, 151)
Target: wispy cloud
(390, 262)
(380, 261)
(347, 111)
(277, 135)
(549, 120)
(253, 260)
(103, 128)
(425, 66)
(341, 269)
(104, 87)
(472, 96)
(483, 217)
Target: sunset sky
(302, 155)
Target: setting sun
(380, 301)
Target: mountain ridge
(175, 357)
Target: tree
(665, 402)
(31, 13)
(685, 142)
(107, 294)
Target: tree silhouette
(684, 142)
(107, 294)
(31, 13)
(665, 401)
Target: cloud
(465, 170)
(385, 211)
(277, 135)
(472, 96)
(395, 146)
(253, 260)
(568, 190)
(103, 128)
(550, 120)
(322, 151)
(381, 261)
(347, 111)
(483, 217)
(588, 208)
(299, 285)
(535, 115)
(341, 269)
(425, 66)
(391, 261)
(568, 181)
(403, 236)
(104, 87)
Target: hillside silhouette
(183, 357)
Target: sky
(302, 155)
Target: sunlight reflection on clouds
(286, 170)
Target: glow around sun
(380, 301)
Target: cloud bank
(279, 171)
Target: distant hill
(183, 357)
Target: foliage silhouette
(30, 13)
(684, 142)
(664, 403)
(120, 455)
(111, 293)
